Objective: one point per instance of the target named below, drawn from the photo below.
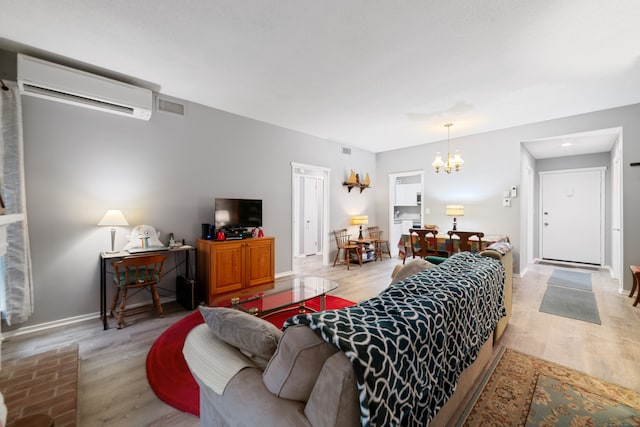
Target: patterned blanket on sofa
(409, 344)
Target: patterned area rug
(521, 390)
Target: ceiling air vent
(346, 150)
(171, 106)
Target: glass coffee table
(287, 294)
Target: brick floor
(46, 383)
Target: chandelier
(452, 162)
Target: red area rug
(167, 371)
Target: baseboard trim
(284, 274)
(68, 321)
(83, 318)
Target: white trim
(69, 321)
(284, 274)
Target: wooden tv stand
(234, 266)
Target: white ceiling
(376, 75)
(599, 141)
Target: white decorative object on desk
(144, 237)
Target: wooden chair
(635, 271)
(464, 243)
(136, 272)
(423, 242)
(343, 242)
(379, 243)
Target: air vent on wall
(346, 150)
(170, 106)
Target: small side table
(635, 270)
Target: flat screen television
(237, 213)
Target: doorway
(310, 207)
(572, 215)
(405, 205)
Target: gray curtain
(16, 284)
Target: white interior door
(312, 237)
(311, 213)
(572, 215)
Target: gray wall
(165, 172)
(493, 163)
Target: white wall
(165, 172)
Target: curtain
(16, 282)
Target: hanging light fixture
(452, 162)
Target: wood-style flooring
(113, 388)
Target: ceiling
(374, 75)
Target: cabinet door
(259, 255)
(227, 267)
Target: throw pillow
(252, 335)
(294, 368)
(409, 269)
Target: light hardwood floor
(113, 389)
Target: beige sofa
(250, 373)
(319, 370)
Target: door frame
(392, 198)
(302, 169)
(602, 170)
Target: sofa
(316, 373)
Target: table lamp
(455, 211)
(360, 220)
(112, 218)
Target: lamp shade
(455, 210)
(360, 220)
(113, 217)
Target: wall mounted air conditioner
(55, 82)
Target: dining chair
(379, 242)
(343, 242)
(138, 273)
(423, 242)
(465, 242)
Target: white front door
(572, 215)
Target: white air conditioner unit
(63, 84)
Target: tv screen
(237, 213)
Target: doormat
(519, 389)
(570, 279)
(572, 303)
